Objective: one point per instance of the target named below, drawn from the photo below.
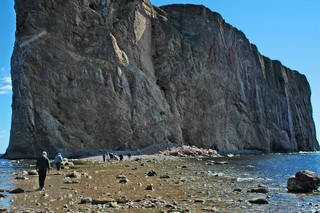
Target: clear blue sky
(286, 30)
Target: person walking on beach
(58, 161)
(42, 167)
(104, 155)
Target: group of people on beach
(43, 167)
(110, 156)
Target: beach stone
(74, 174)
(150, 187)
(221, 162)
(125, 180)
(58, 173)
(151, 173)
(303, 181)
(121, 176)
(199, 201)
(72, 182)
(32, 172)
(86, 200)
(3, 195)
(122, 200)
(259, 190)
(259, 201)
(3, 209)
(17, 191)
(24, 172)
(114, 205)
(69, 164)
(106, 200)
(164, 176)
(21, 178)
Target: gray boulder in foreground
(124, 75)
(303, 181)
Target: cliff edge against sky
(94, 75)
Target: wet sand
(126, 186)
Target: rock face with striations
(93, 75)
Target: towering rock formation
(92, 75)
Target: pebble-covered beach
(154, 183)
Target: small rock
(59, 173)
(102, 201)
(17, 191)
(122, 199)
(32, 172)
(74, 174)
(199, 201)
(151, 173)
(124, 181)
(237, 190)
(72, 182)
(114, 204)
(259, 201)
(164, 176)
(86, 200)
(21, 178)
(221, 162)
(69, 164)
(3, 209)
(259, 190)
(24, 173)
(65, 167)
(121, 176)
(150, 187)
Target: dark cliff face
(96, 75)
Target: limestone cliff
(92, 75)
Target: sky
(284, 30)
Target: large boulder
(303, 181)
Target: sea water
(273, 171)
(7, 168)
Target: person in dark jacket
(42, 167)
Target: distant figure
(107, 156)
(104, 155)
(42, 167)
(58, 161)
(111, 155)
(129, 155)
(121, 157)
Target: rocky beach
(152, 183)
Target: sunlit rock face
(107, 75)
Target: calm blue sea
(273, 171)
(7, 168)
(275, 167)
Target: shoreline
(180, 184)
